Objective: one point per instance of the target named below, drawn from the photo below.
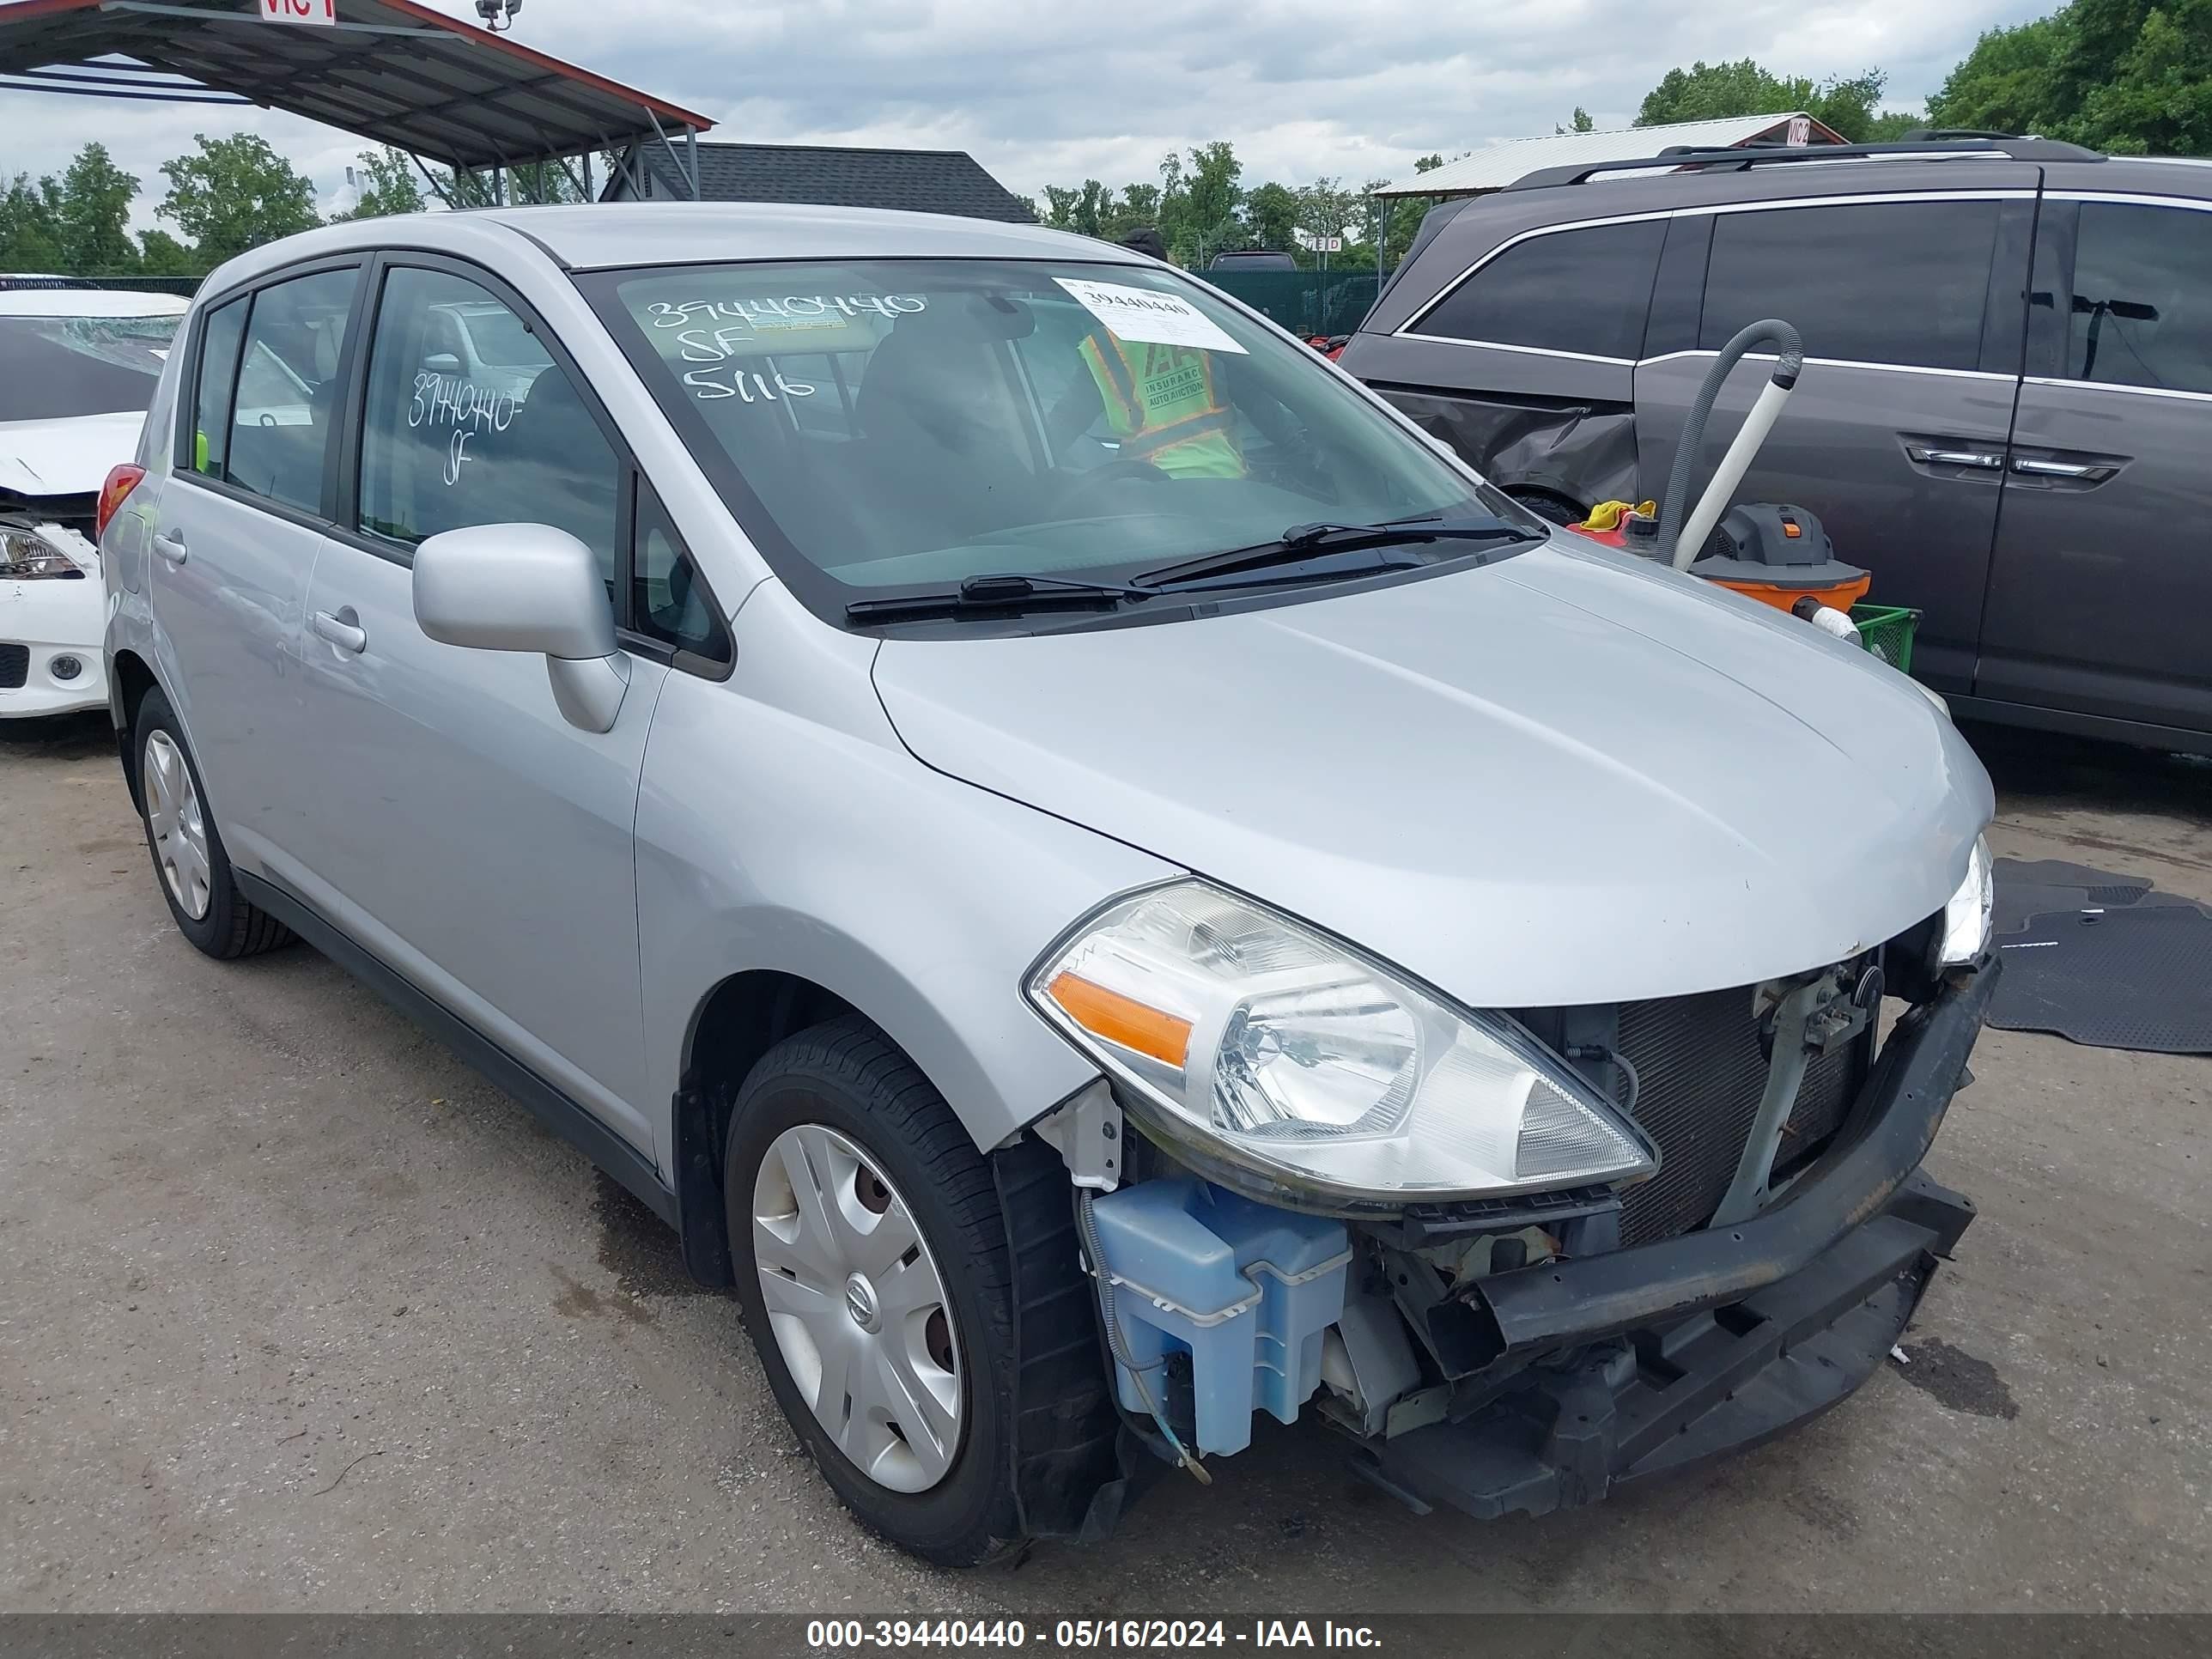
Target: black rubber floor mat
(2058, 872)
(2139, 978)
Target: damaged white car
(77, 368)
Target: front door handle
(1976, 457)
(343, 630)
(171, 546)
(2085, 471)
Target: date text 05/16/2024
(1082, 1635)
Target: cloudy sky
(1053, 94)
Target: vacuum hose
(1679, 541)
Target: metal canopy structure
(391, 70)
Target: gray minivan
(2005, 416)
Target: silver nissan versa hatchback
(1100, 880)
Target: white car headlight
(27, 556)
(1260, 1043)
(1965, 931)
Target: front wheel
(873, 1275)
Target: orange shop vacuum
(1776, 553)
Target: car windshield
(52, 368)
(901, 426)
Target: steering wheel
(1124, 466)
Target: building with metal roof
(393, 71)
(1496, 165)
(921, 180)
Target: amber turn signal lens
(1124, 1020)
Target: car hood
(1566, 777)
(67, 457)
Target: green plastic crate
(1887, 630)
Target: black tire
(847, 1075)
(232, 927)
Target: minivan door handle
(343, 630)
(171, 546)
(2080, 472)
(1979, 457)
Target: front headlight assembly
(1963, 934)
(27, 556)
(1265, 1048)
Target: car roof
(608, 235)
(88, 302)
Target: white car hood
(1566, 777)
(69, 456)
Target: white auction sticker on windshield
(1148, 317)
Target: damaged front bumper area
(1581, 1374)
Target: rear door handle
(343, 630)
(1977, 458)
(2086, 471)
(171, 547)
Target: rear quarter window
(1587, 291)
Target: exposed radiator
(1702, 1075)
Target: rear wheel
(188, 860)
(873, 1273)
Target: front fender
(783, 826)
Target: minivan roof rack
(2018, 149)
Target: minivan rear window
(1587, 291)
(1902, 283)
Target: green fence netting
(1303, 302)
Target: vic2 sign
(322, 13)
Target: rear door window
(287, 388)
(2141, 310)
(1902, 283)
(1587, 291)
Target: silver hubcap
(172, 813)
(857, 1308)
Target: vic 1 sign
(322, 13)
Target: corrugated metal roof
(1498, 165)
(391, 70)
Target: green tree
(525, 182)
(1059, 206)
(1706, 92)
(1402, 221)
(2010, 81)
(388, 183)
(1199, 202)
(29, 238)
(1272, 212)
(1135, 208)
(92, 214)
(2124, 76)
(234, 194)
(1582, 123)
(160, 254)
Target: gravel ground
(298, 1313)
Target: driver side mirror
(526, 587)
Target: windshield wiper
(1303, 541)
(997, 592)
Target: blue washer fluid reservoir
(1245, 1289)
